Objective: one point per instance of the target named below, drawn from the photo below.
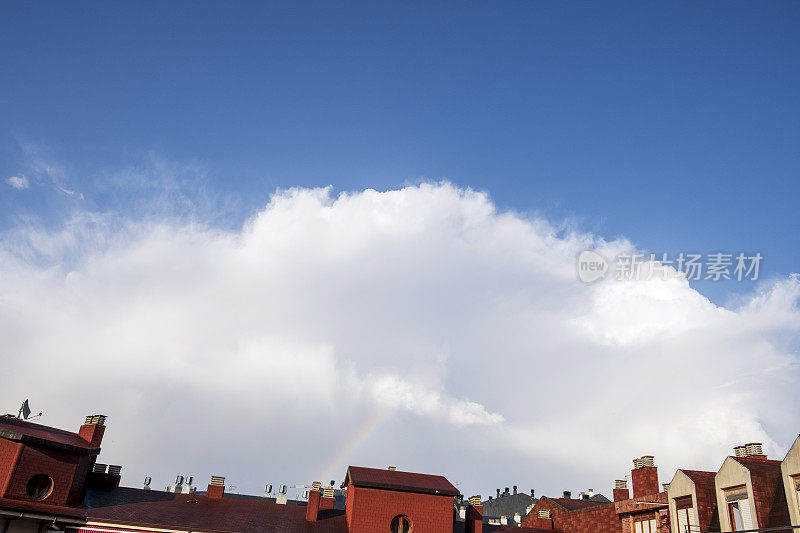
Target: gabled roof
(759, 464)
(152, 508)
(12, 428)
(700, 478)
(359, 476)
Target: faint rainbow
(336, 466)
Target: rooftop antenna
(25, 412)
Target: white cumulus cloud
(264, 353)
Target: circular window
(39, 487)
(401, 524)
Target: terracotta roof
(43, 508)
(15, 429)
(759, 464)
(397, 480)
(700, 477)
(129, 506)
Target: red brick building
(50, 480)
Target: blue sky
(673, 125)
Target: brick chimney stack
(621, 490)
(644, 477)
(312, 508)
(93, 429)
(327, 500)
(473, 522)
(216, 489)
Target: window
(401, 524)
(39, 487)
(739, 508)
(645, 524)
(687, 518)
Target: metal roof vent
(316, 485)
(621, 484)
(666, 487)
(147, 482)
(392, 468)
(647, 460)
(475, 500)
(637, 464)
(99, 468)
(754, 448)
(95, 420)
(114, 469)
(217, 481)
(567, 495)
(740, 451)
(328, 492)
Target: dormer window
(39, 487)
(401, 524)
(739, 510)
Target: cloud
(18, 182)
(264, 352)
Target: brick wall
(9, 452)
(707, 516)
(371, 510)
(59, 466)
(645, 481)
(770, 497)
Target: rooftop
(359, 476)
(15, 429)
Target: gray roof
(507, 505)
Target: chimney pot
(531, 493)
(754, 448)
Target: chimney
(327, 499)
(498, 493)
(93, 428)
(754, 449)
(515, 489)
(216, 489)
(645, 477)
(621, 490)
(567, 495)
(474, 515)
(312, 507)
